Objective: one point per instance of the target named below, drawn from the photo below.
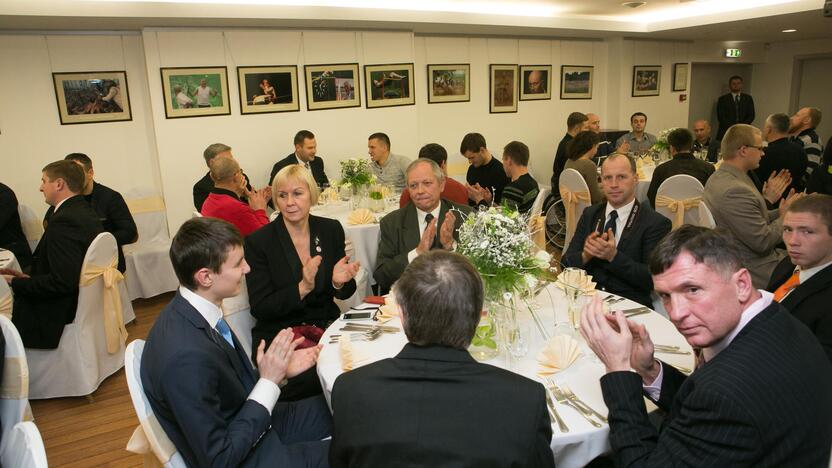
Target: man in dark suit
(703, 142)
(215, 408)
(734, 107)
(11, 232)
(202, 187)
(802, 282)
(47, 300)
(575, 123)
(613, 239)
(680, 141)
(438, 406)
(762, 394)
(108, 204)
(305, 154)
(781, 153)
(427, 223)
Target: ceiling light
(633, 4)
(789, 30)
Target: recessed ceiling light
(633, 4)
(789, 30)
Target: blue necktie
(611, 223)
(225, 331)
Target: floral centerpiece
(356, 172)
(661, 147)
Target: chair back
(572, 182)
(149, 439)
(25, 448)
(237, 312)
(537, 206)
(706, 217)
(14, 392)
(148, 210)
(31, 224)
(6, 300)
(678, 199)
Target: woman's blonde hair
(299, 173)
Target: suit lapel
(410, 227)
(821, 280)
(287, 247)
(626, 233)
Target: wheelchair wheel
(556, 224)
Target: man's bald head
(701, 130)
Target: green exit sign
(733, 53)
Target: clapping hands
(343, 271)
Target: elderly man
(224, 201)
(306, 149)
(802, 127)
(389, 168)
(605, 148)
(204, 185)
(575, 123)
(535, 82)
(802, 282)
(613, 239)
(702, 141)
(638, 140)
(522, 191)
(740, 208)
(439, 407)
(486, 177)
(762, 395)
(782, 154)
(425, 224)
(454, 191)
(680, 141)
(734, 107)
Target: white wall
(814, 91)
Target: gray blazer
(740, 208)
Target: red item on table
(374, 300)
(311, 334)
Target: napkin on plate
(557, 354)
(350, 356)
(576, 278)
(361, 216)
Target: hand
(426, 242)
(8, 278)
(623, 148)
(775, 185)
(602, 246)
(786, 202)
(302, 359)
(343, 271)
(474, 193)
(641, 356)
(612, 347)
(257, 199)
(486, 194)
(274, 362)
(310, 270)
(446, 232)
(13, 273)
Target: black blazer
(203, 187)
(809, 302)
(682, 163)
(11, 232)
(198, 387)
(627, 275)
(316, 164)
(436, 406)
(764, 401)
(47, 301)
(276, 271)
(726, 112)
(784, 154)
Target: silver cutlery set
(364, 332)
(565, 396)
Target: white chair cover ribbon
(570, 203)
(113, 319)
(15, 379)
(146, 441)
(146, 205)
(537, 228)
(677, 206)
(6, 306)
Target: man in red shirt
(454, 191)
(224, 200)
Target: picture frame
(503, 89)
(389, 85)
(647, 80)
(268, 89)
(449, 82)
(680, 77)
(332, 86)
(195, 91)
(92, 97)
(535, 82)
(576, 81)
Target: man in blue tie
(216, 409)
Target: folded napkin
(330, 195)
(350, 356)
(389, 310)
(557, 354)
(576, 278)
(361, 216)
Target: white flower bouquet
(356, 172)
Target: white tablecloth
(584, 442)
(644, 183)
(8, 260)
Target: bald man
(605, 148)
(702, 140)
(536, 82)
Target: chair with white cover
(6, 300)
(25, 448)
(706, 217)
(149, 439)
(576, 198)
(14, 392)
(237, 313)
(679, 198)
(196, 214)
(92, 346)
(537, 222)
(31, 224)
(149, 269)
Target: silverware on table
(635, 311)
(553, 412)
(561, 398)
(369, 335)
(572, 397)
(365, 327)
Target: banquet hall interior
(668, 59)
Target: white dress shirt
(420, 217)
(621, 222)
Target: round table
(583, 442)
(8, 260)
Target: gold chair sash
(6, 306)
(678, 207)
(155, 447)
(537, 228)
(570, 204)
(113, 318)
(32, 228)
(15, 379)
(146, 205)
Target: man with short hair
(215, 408)
(740, 208)
(389, 168)
(202, 188)
(782, 154)
(522, 191)
(702, 141)
(802, 127)
(204, 93)
(605, 148)
(440, 406)
(425, 224)
(47, 299)
(680, 141)
(305, 154)
(454, 191)
(224, 201)
(802, 282)
(762, 395)
(613, 239)
(734, 107)
(638, 140)
(575, 124)
(486, 177)
(110, 206)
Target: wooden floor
(79, 433)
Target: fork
(369, 335)
(553, 412)
(561, 398)
(574, 398)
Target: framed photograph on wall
(389, 85)
(268, 89)
(503, 88)
(332, 86)
(536, 82)
(576, 82)
(680, 77)
(195, 91)
(449, 83)
(647, 80)
(92, 97)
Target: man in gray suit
(427, 223)
(740, 208)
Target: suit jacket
(11, 232)
(784, 154)
(316, 164)
(440, 408)
(726, 112)
(276, 271)
(198, 388)
(809, 302)
(399, 234)
(46, 301)
(559, 163)
(627, 274)
(764, 401)
(740, 208)
(202, 188)
(682, 163)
